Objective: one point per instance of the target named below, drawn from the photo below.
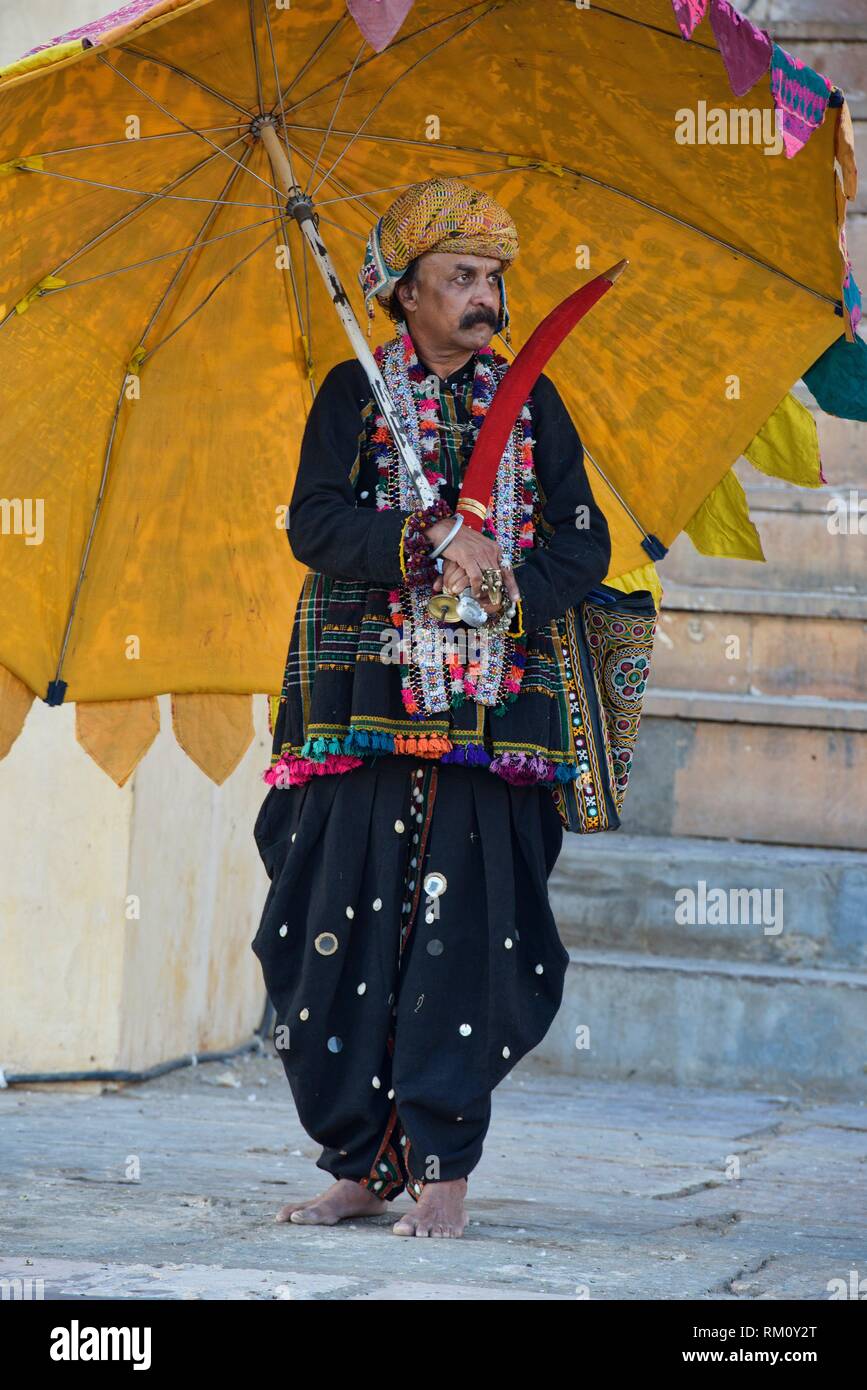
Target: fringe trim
(523, 768)
(323, 756)
(423, 746)
(294, 772)
(471, 753)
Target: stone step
(760, 655)
(801, 711)
(710, 1023)
(720, 598)
(653, 896)
(801, 553)
(723, 778)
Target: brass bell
(444, 607)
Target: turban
(438, 215)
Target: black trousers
(409, 949)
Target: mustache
(474, 316)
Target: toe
(307, 1216)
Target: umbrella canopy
(163, 328)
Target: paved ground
(586, 1190)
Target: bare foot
(439, 1211)
(345, 1198)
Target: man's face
(455, 301)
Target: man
(407, 941)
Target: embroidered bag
(606, 642)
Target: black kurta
(399, 1009)
(354, 541)
(354, 704)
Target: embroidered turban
(438, 215)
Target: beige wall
(84, 985)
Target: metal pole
(299, 208)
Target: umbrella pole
(300, 209)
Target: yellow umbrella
(163, 325)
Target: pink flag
(746, 50)
(689, 14)
(379, 20)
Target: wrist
(437, 530)
(416, 566)
(452, 526)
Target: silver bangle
(435, 554)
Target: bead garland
(510, 517)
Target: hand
(510, 586)
(464, 558)
(454, 579)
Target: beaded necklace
(434, 679)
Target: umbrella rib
(359, 134)
(423, 57)
(113, 431)
(182, 72)
(166, 112)
(148, 200)
(621, 499)
(254, 45)
(143, 192)
(333, 117)
(140, 140)
(306, 330)
(165, 256)
(406, 38)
